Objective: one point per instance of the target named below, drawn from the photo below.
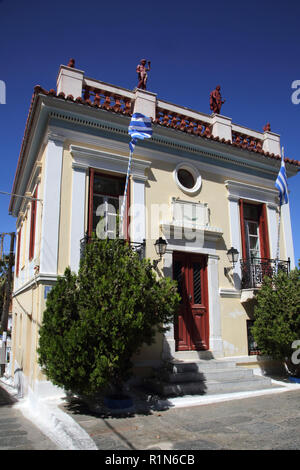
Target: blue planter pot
(118, 402)
(295, 379)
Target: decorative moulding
(229, 292)
(189, 214)
(191, 218)
(212, 234)
(84, 158)
(237, 190)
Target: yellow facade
(63, 167)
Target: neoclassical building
(202, 183)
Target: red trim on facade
(18, 252)
(264, 233)
(242, 225)
(32, 225)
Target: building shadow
(5, 398)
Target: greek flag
(281, 183)
(139, 128)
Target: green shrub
(95, 321)
(277, 315)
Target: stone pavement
(265, 422)
(262, 420)
(17, 432)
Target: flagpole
(125, 191)
(278, 234)
(279, 223)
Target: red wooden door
(192, 325)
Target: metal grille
(255, 269)
(136, 246)
(197, 282)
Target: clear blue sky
(250, 48)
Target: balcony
(138, 247)
(253, 270)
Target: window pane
(106, 193)
(254, 243)
(251, 212)
(99, 209)
(253, 228)
(186, 178)
(113, 205)
(108, 185)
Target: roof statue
(142, 73)
(215, 100)
(267, 127)
(71, 63)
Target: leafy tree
(95, 321)
(277, 315)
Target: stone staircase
(205, 377)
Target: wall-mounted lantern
(233, 256)
(160, 248)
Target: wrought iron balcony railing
(138, 247)
(255, 269)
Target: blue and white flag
(139, 128)
(281, 183)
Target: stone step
(217, 374)
(210, 387)
(199, 365)
(193, 355)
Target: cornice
(237, 190)
(84, 158)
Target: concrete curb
(60, 427)
(197, 400)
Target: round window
(187, 177)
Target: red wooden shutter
(18, 252)
(242, 223)
(264, 233)
(32, 226)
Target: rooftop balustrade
(73, 84)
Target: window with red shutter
(106, 192)
(32, 226)
(254, 230)
(18, 252)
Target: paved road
(262, 423)
(16, 432)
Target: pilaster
(271, 143)
(221, 127)
(145, 103)
(215, 331)
(51, 204)
(70, 81)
